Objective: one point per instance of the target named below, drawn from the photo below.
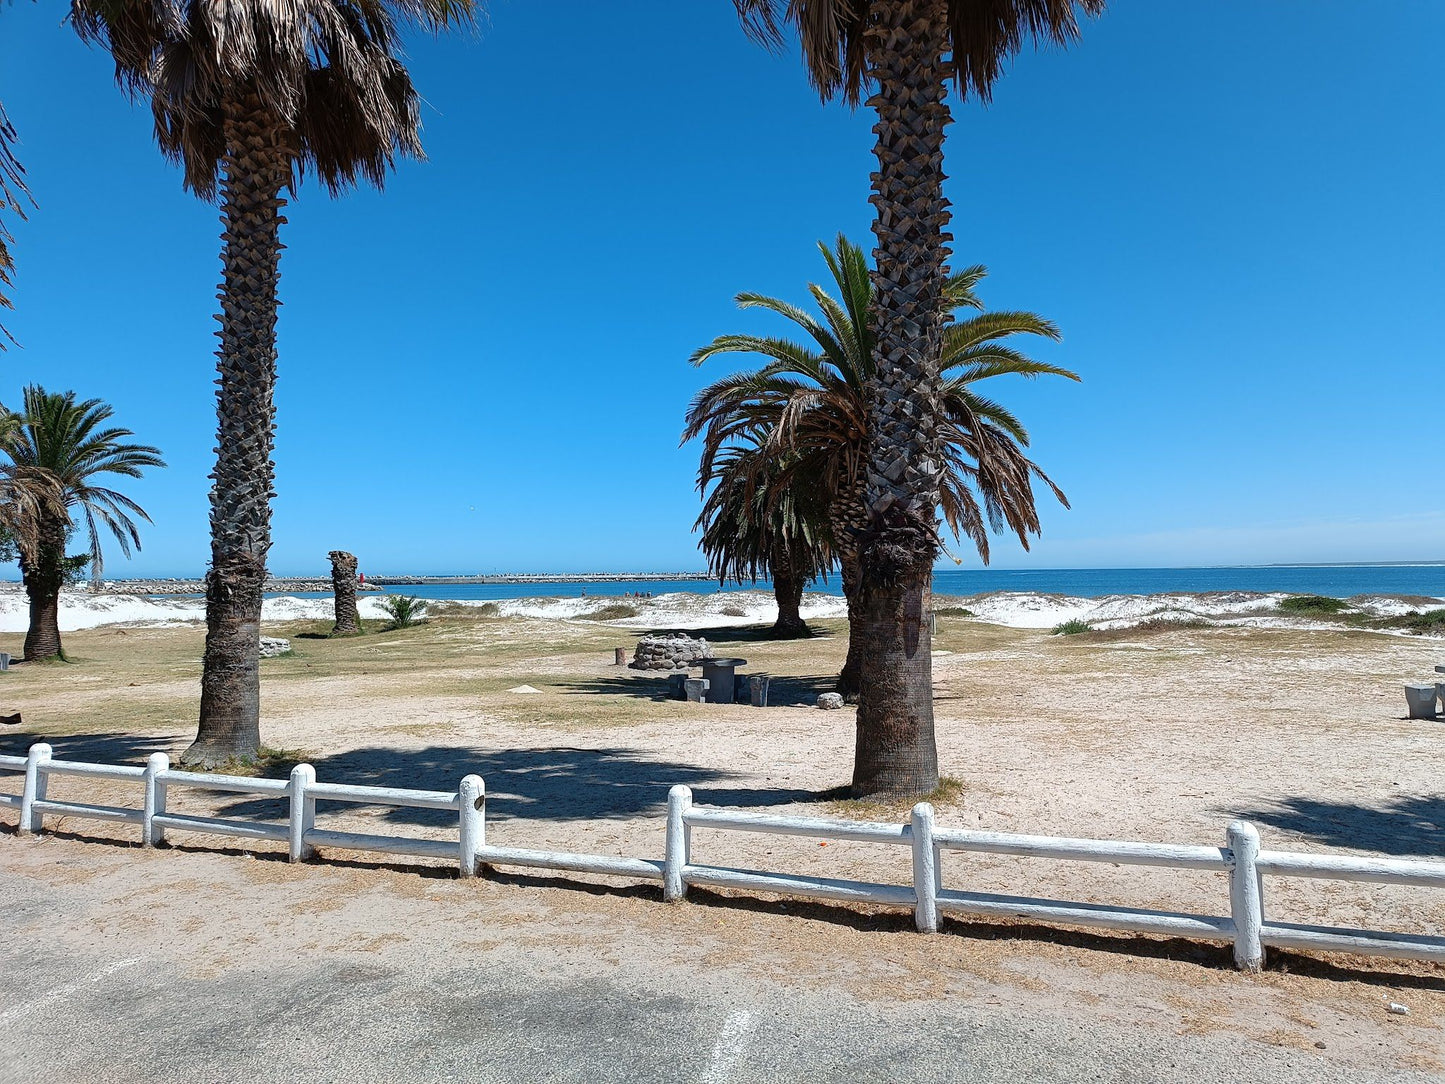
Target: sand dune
(692, 610)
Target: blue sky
(1233, 210)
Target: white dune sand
(694, 610)
(82, 610)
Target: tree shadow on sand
(1409, 826)
(109, 747)
(783, 692)
(738, 634)
(536, 784)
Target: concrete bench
(1421, 700)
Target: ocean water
(1340, 581)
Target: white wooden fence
(301, 791)
(1245, 864)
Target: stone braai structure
(672, 651)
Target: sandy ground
(1159, 736)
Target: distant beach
(1424, 580)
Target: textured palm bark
(43, 573)
(850, 679)
(256, 168)
(343, 587)
(849, 516)
(788, 590)
(906, 42)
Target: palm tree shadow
(739, 634)
(1406, 826)
(539, 784)
(783, 692)
(107, 747)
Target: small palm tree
(811, 402)
(248, 96)
(61, 442)
(755, 523)
(405, 610)
(905, 52)
(27, 494)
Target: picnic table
(721, 678)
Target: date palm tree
(27, 494)
(905, 51)
(57, 450)
(759, 520)
(810, 400)
(247, 97)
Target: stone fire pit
(673, 651)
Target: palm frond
(793, 433)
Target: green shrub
(405, 610)
(615, 612)
(489, 609)
(1429, 623)
(1312, 605)
(733, 611)
(1072, 628)
(953, 611)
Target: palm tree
(906, 50)
(26, 495)
(343, 591)
(247, 97)
(13, 197)
(754, 524)
(66, 442)
(811, 401)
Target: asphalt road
(106, 1016)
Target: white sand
(691, 610)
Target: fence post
(925, 868)
(679, 843)
(37, 783)
(471, 804)
(155, 800)
(303, 811)
(1246, 896)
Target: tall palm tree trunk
(788, 590)
(343, 590)
(43, 573)
(895, 752)
(256, 167)
(850, 678)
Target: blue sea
(1340, 581)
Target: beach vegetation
(1423, 623)
(404, 610)
(953, 611)
(248, 97)
(1072, 627)
(615, 611)
(793, 437)
(60, 450)
(1312, 605)
(905, 52)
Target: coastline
(731, 609)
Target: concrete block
(1421, 700)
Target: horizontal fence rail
(1241, 860)
(301, 793)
